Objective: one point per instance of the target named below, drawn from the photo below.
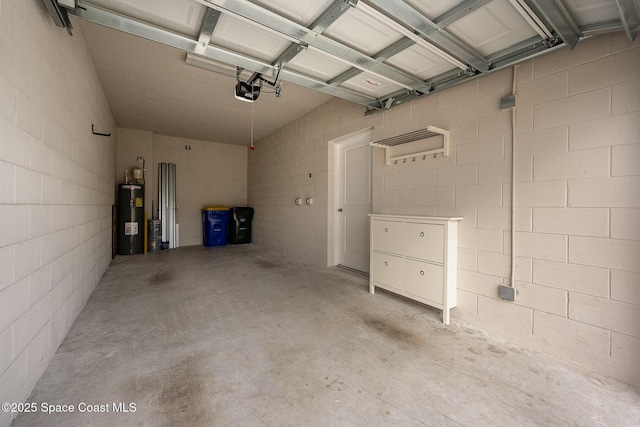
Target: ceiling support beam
(408, 17)
(328, 17)
(209, 23)
(392, 23)
(292, 30)
(59, 15)
(389, 51)
(532, 19)
(601, 28)
(209, 52)
(438, 83)
(291, 52)
(556, 16)
(458, 12)
(629, 18)
(507, 57)
(332, 14)
(522, 51)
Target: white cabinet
(416, 257)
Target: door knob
(340, 210)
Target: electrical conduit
(513, 180)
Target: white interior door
(353, 201)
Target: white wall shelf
(428, 132)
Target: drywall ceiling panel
(180, 16)
(316, 64)
(420, 62)
(370, 85)
(362, 32)
(591, 11)
(492, 28)
(304, 12)
(433, 9)
(239, 35)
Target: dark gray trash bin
(239, 226)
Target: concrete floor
(236, 336)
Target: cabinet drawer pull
(422, 234)
(386, 230)
(386, 263)
(422, 272)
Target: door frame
(332, 205)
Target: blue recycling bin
(214, 225)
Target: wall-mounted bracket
(98, 133)
(428, 132)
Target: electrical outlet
(309, 201)
(507, 293)
(298, 201)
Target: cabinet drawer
(387, 270)
(424, 280)
(424, 241)
(387, 236)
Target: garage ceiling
(178, 76)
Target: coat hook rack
(98, 133)
(419, 135)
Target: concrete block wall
(56, 190)
(207, 174)
(602, 200)
(577, 196)
(297, 162)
